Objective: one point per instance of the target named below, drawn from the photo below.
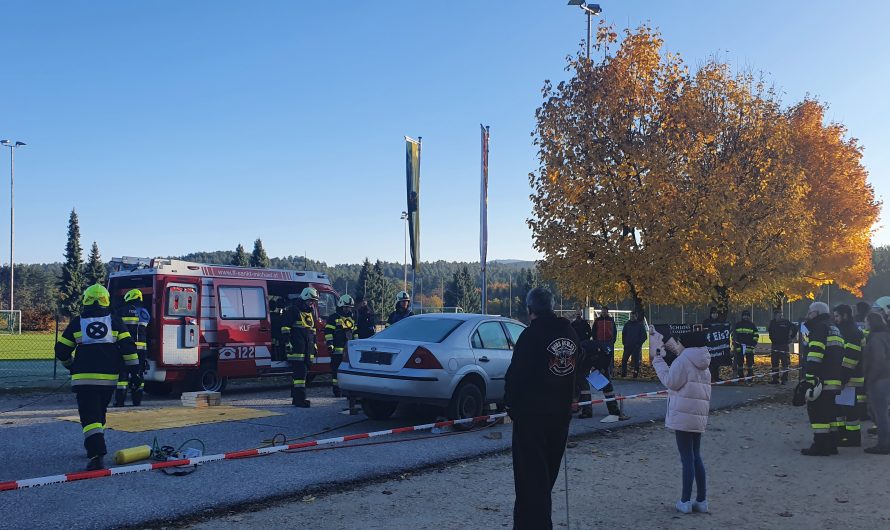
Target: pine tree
(376, 289)
(361, 286)
(241, 259)
(71, 282)
(461, 292)
(259, 258)
(527, 282)
(95, 269)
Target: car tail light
(423, 359)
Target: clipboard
(597, 380)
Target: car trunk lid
(381, 355)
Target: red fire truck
(210, 323)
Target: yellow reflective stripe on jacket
(121, 335)
(78, 337)
(835, 340)
(101, 377)
(817, 344)
(815, 356)
(821, 427)
(131, 357)
(849, 363)
(853, 346)
(130, 319)
(67, 342)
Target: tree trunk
(635, 297)
(778, 298)
(720, 299)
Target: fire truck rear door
(180, 331)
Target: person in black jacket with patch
(94, 347)
(538, 395)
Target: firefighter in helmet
(340, 329)
(848, 427)
(301, 354)
(403, 300)
(94, 347)
(136, 318)
(744, 342)
(822, 381)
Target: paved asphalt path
(34, 443)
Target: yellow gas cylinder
(132, 454)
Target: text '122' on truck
(211, 323)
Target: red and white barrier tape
(235, 455)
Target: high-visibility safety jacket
(825, 353)
(95, 346)
(300, 333)
(745, 332)
(136, 318)
(852, 361)
(339, 329)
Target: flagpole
(483, 221)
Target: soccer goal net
(10, 322)
(620, 316)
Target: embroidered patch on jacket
(562, 357)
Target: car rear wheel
(467, 402)
(209, 378)
(379, 410)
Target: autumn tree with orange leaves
(841, 199)
(675, 188)
(747, 244)
(608, 215)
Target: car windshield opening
(421, 329)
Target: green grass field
(28, 346)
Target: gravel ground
(624, 479)
(34, 443)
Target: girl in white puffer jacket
(689, 401)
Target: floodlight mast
(591, 10)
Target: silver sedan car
(454, 361)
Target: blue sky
(181, 126)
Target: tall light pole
(591, 10)
(405, 218)
(12, 147)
